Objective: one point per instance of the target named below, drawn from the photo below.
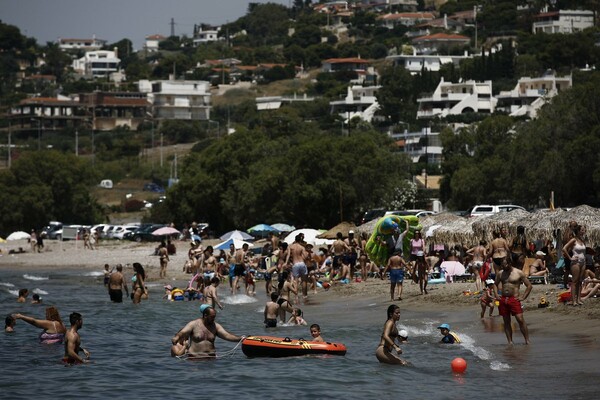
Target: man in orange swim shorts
(508, 283)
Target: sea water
(129, 346)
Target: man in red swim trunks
(508, 283)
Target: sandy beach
(557, 319)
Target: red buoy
(459, 365)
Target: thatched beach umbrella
(456, 232)
(438, 219)
(586, 216)
(367, 227)
(484, 226)
(344, 227)
(542, 224)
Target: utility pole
(9, 145)
(172, 26)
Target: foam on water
(93, 273)
(14, 292)
(499, 366)
(6, 284)
(239, 299)
(39, 291)
(35, 278)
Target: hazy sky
(113, 20)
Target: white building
(563, 21)
(360, 101)
(407, 19)
(419, 144)
(97, 63)
(205, 34)
(415, 63)
(457, 98)
(275, 102)
(530, 94)
(153, 42)
(81, 44)
(186, 100)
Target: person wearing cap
(538, 267)
(487, 297)
(449, 337)
(508, 282)
(116, 285)
(422, 270)
(201, 334)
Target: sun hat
(350, 231)
(403, 334)
(168, 287)
(489, 282)
(444, 326)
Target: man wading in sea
(202, 333)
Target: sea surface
(129, 347)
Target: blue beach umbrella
(284, 227)
(236, 235)
(262, 230)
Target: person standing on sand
(387, 345)
(499, 250)
(339, 248)
(508, 282)
(73, 342)
(351, 257)
(116, 285)
(478, 254)
(163, 253)
(575, 250)
(396, 267)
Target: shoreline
(556, 320)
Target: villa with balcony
(99, 63)
(563, 21)
(92, 44)
(360, 101)
(457, 98)
(530, 94)
(173, 99)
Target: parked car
(53, 229)
(153, 187)
(144, 233)
(486, 209)
(120, 234)
(370, 215)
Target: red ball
(459, 365)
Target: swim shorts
(510, 305)
(116, 295)
(240, 270)
(498, 260)
(271, 323)
(396, 275)
(299, 269)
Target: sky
(113, 20)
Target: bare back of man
(298, 256)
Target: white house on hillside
(457, 98)
(360, 101)
(205, 34)
(563, 21)
(187, 100)
(530, 94)
(81, 44)
(415, 63)
(97, 63)
(153, 42)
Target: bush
(133, 205)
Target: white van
(485, 209)
(106, 184)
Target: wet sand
(556, 320)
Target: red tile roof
(155, 37)
(441, 36)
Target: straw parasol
(455, 232)
(586, 216)
(438, 219)
(344, 227)
(484, 226)
(367, 227)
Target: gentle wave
(499, 366)
(239, 299)
(39, 291)
(93, 273)
(6, 284)
(35, 278)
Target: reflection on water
(130, 348)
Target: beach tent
(310, 236)
(236, 235)
(236, 242)
(343, 227)
(18, 235)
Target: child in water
(296, 318)
(487, 298)
(315, 332)
(448, 336)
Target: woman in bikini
(387, 345)
(138, 287)
(54, 328)
(499, 250)
(577, 246)
(286, 288)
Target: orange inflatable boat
(269, 346)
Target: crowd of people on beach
(498, 269)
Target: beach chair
(533, 279)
